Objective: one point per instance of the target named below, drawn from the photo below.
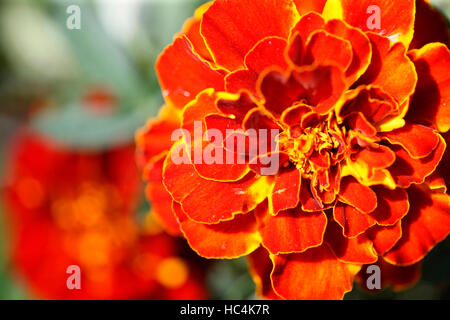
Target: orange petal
(162, 207)
(355, 250)
(307, 199)
(357, 122)
(390, 69)
(396, 19)
(384, 238)
(360, 44)
(357, 195)
(372, 102)
(376, 158)
(307, 24)
(305, 6)
(285, 193)
(183, 74)
(191, 29)
(430, 26)
(431, 100)
(418, 140)
(225, 169)
(325, 48)
(392, 205)
(351, 220)
(294, 115)
(230, 239)
(242, 80)
(320, 86)
(293, 231)
(313, 275)
(239, 108)
(427, 223)
(269, 52)
(398, 278)
(444, 166)
(161, 199)
(260, 267)
(407, 170)
(155, 137)
(203, 200)
(197, 109)
(229, 27)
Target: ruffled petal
(325, 48)
(320, 86)
(305, 6)
(361, 47)
(385, 238)
(293, 231)
(203, 200)
(267, 53)
(396, 19)
(352, 221)
(357, 195)
(313, 275)
(191, 29)
(260, 268)
(427, 223)
(390, 69)
(418, 140)
(431, 100)
(161, 199)
(237, 107)
(398, 278)
(285, 193)
(355, 250)
(231, 28)
(376, 158)
(309, 202)
(407, 170)
(183, 74)
(155, 137)
(229, 239)
(392, 205)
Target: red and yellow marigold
(78, 208)
(363, 176)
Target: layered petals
(229, 239)
(431, 100)
(355, 111)
(397, 21)
(285, 192)
(183, 74)
(352, 221)
(390, 69)
(427, 223)
(301, 231)
(201, 199)
(328, 278)
(357, 195)
(350, 250)
(231, 28)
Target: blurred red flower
(79, 208)
(360, 111)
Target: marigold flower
(359, 111)
(77, 208)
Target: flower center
(314, 147)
